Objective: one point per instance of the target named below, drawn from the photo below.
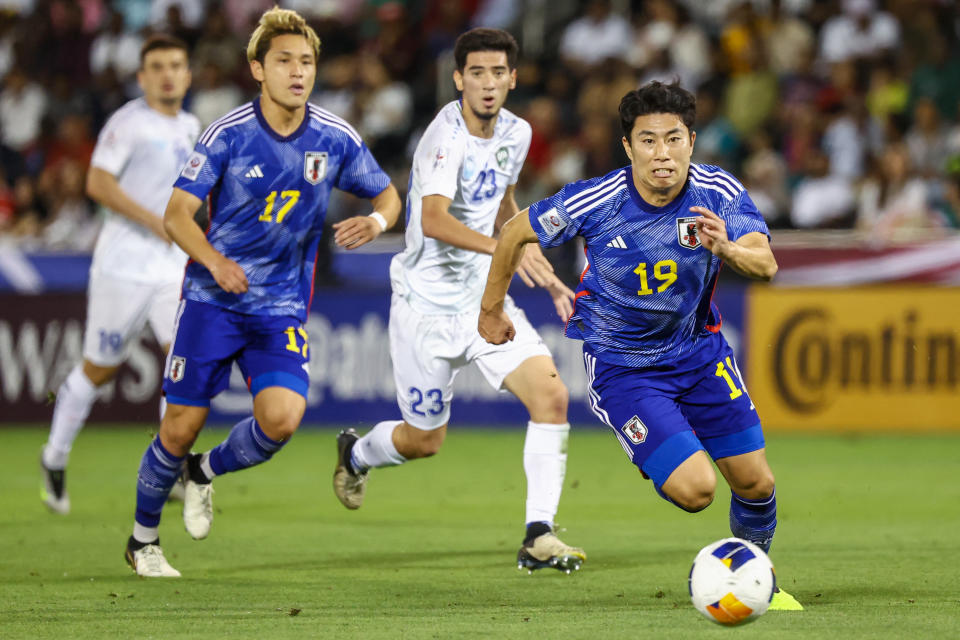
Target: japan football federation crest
(687, 233)
(314, 166)
(635, 430)
(178, 364)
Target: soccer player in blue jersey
(266, 170)
(660, 373)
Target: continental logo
(815, 357)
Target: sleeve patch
(551, 222)
(193, 165)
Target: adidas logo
(617, 243)
(255, 172)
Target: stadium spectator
(860, 31)
(894, 199)
(927, 139)
(596, 36)
(213, 95)
(218, 46)
(116, 48)
(822, 200)
(22, 105)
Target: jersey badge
(193, 165)
(440, 157)
(178, 364)
(635, 430)
(687, 233)
(314, 166)
(551, 222)
(502, 156)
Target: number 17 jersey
(267, 197)
(644, 299)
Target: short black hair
(657, 97)
(161, 41)
(484, 39)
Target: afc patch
(191, 169)
(178, 364)
(440, 155)
(687, 233)
(551, 222)
(314, 166)
(635, 430)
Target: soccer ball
(732, 581)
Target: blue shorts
(663, 416)
(270, 350)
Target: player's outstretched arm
(494, 325)
(103, 188)
(359, 230)
(749, 256)
(179, 224)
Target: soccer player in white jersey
(136, 271)
(462, 186)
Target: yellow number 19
(665, 271)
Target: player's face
(485, 81)
(288, 71)
(659, 149)
(164, 76)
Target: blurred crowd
(834, 113)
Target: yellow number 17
(289, 199)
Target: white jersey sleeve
(437, 161)
(524, 135)
(114, 145)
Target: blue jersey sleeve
(562, 216)
(743, 217)
(205, 166)
(360, 174)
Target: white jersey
(145, 150)
(433, 276)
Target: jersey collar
(645, 206)
(276, 136)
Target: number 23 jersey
(434, 276)
(644, 298)
(267, 197)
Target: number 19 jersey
(267, 197)
(433, 276)
(645, 296)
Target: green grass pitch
(867, 541)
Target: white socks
(376, 448)
(74, 399)
(545, 463)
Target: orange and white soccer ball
(732, 581)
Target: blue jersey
(267, 198)
(645, 297)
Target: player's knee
(178, 430)
(693, 492)
(428, 443)
(279, 423)
(757, 486)
(549, 404)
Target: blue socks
(754, 520)
(159, 470)
(246, 446)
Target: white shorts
(428, 351)
(117, 310)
